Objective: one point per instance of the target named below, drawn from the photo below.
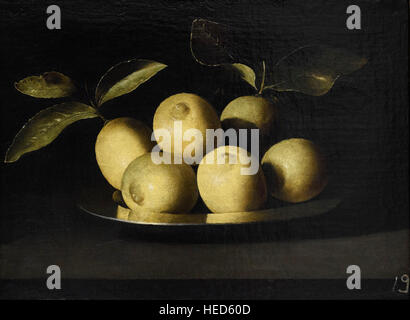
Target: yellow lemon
(295, 170)
(249, 112)
(122, 213)
(150, 187)
(190, 111)
(223, 185)
(119, 142)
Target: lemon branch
(102, 117)
(93, 104)
(263, 77)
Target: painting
(204, 149)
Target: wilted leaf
(213, 45)
(125, 77)
(49, 85)
(313, 70)
(45, 126)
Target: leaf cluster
(46, 125)
(311, 70)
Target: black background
(362, 123)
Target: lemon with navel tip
(151, 187)
(223, 184)
(190, 111)
(119, 142)
(249, 112)
(295, 170)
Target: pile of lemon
(292, 170)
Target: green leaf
(212, 45)
(313, 70)
(45, 126)
(48, 85)
(245, 72)
(125, 77)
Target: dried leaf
(48, 85)
(313, 70)
(212, 45)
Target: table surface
(87, 247)
(96, 256)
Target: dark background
(362, 124)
